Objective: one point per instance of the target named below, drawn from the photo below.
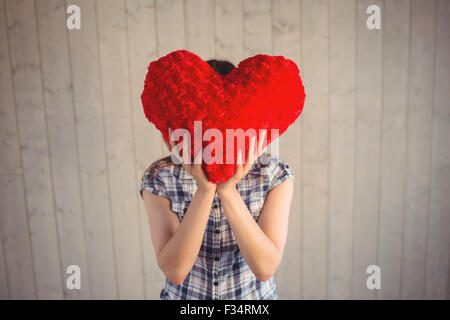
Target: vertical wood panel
(315, 148)
(62, 139)
(91, 152)
(439, 224)
(114, 73)
(3, 277)
(286, 29)
(142, 50)
(257, 27)
(17, 256)
(367, 149)
(199, 17)
(229, 30)
(420, 95)
(286, 41)
(342, 135)
(24, 50)
(370, 152)
(170, 26)
(395, 92)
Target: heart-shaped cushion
(263, 92)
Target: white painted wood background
(371, 152)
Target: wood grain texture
(114, 73)
(342, 133)
(17, 273)
(257, 27)
(418, 148)
(438, 246)
(3, 277)
(35, 158)
(229, 40)
(370, 153)
(315, 144)
(395, 99)
(199, 23)
(367, 149)
(170, 26)
(142, 49)
(89, 126)
(56, 77)
(286, 35)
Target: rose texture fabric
(262, 92)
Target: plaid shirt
(220, 271)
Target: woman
(218, 241)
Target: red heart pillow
(263, 92)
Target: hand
(243, 168)
(196, 171)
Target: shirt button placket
(216, 250)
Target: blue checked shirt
(220, 271)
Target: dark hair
(222, 67)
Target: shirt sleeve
(281, 172)
(154, 185)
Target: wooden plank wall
(371, 153)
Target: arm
(261, 243)
(177, 244)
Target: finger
(189, 166)
(198, 157)
(239, 168)
(187, 157)
(251, 152)
(185, 153)
(239, 157)
(171, 142)
(175, 157)
(262, 137)
(238, 172)
(264, 149)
